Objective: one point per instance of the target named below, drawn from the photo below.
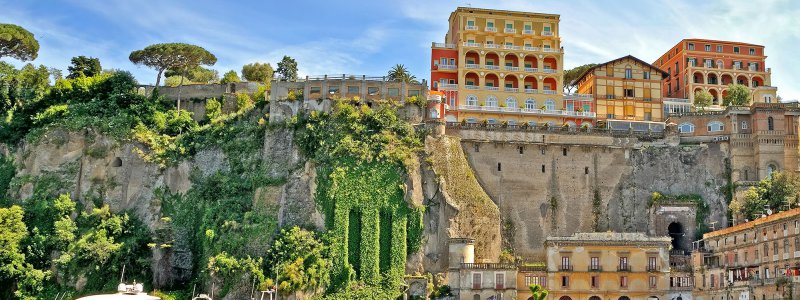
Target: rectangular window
(691, 46)
(490, 24)
(646, 75)
(629, 93)
(476, 280)
(509, 25)
(499, 281)
(394, 92)
(594, 263)
(651, 263)
(623, 263)
(653, 282)
(719, 48)
(628, 73)
(547, 28)
(333, 90)
(412, 93)
(735, 49)
(565, 263)
(564, 281)
(609, 71)
(527, 27)
(623, 282)
(595, 282)
(471, 23)
(708, 48)
(752, 51)
(315, 90)
(373, 90)
(352, 89)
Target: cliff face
(556, 189)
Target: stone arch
(530, 83)
(474, 56)
(550, 83)
(743, 80)
(511, 58)
(531, 61)
(565, 298)
(476, 297)
(771, 168)
(756, 81)
(511, 79)
(712, 78)
(715, 99)
(623, 298)
(473, 78)
(594, 298)
(491, 79)
(678, 235)
(491, 58)
(550, 62)
(726, 79)
(699, 78)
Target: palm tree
(400, 73)
(538, 292)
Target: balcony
(472, 66)
(550, 50)
(549, 92)
(527, 111)
(492, 88)
(447, 67)
(488, 266)
(492, 46)
(444, 45)
(624, 268)
(492, 67)
(595, 269)
(548, 70)
(512, 68)
(531, 91)
(491, 29)
(468, 27)
(566, 268)
(529, 48)
(577, 96)
(470, 44)
(651, 268)
(512, 89)
(527, 31)
(530, 70)
(510, 30)
(511, 47)
(547, 33)
(472, 87)
(448, 86)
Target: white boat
(133, 291)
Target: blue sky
(368, 37)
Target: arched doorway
(594, 298)
(624, 298)
(565, 298)
(677, 234)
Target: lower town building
(756, 260)
(469, 280)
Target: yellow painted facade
(509, 68)
(625, 89)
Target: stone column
(324, 88)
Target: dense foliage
(299, 260)
(361, 155)
(83, 66)
(702, 99)
(230, 77)
(258, 72)
(778, 192)
(737, 94)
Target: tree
(400, 73)
(230, 77)
(779, 192)
(702, 99)
(16, 275)
(287, 68)
(571, 75)
(737, 95)
(259, 72)
(16, 42)
(84, 66)
(300, 261)
(178, 56)
(538, 292)
(197, 74)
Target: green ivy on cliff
(7, 171)
(361, 156)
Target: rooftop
(751, 224)
(608, 237)
(506, 12)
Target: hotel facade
(500, 66)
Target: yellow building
(607, 266)
(503, 66)
(626, 88)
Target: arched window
(550, 104)
(530, 104)
(715, 126)
(511, 102)
(686, 128)
(491, 121)
(512, 122)
(491, 101)
(476, 297)
(472, 120)
(434, 113)
(770, 124)
(770, 169)
(472, 100)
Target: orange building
(700, 64)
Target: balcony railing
(651, 268)
(472, 66)
(468, 27)
(577, 96)
(546, 70)
(624, 268)
(492, 88)
(547, 33)
(470, 44)
(448, 86)
(511, 47)
(531, 91)
(529, 48)
(549, 92)
(527, 31)
(510, 30)
(492, 67)
(491, 29)
(530, 70)
(472, 87)
(488, 266)
(595, 269)
(492, 46)
(565, 268)
(512, 68)
(553, 50)
(527, 111)
(512, 89)
(448, 67)
(444, 45)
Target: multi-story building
(608, 266)
(503, 66)
(757, 260)
(469, 280)
(626, 88)
(700, 64)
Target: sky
(369, 37)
